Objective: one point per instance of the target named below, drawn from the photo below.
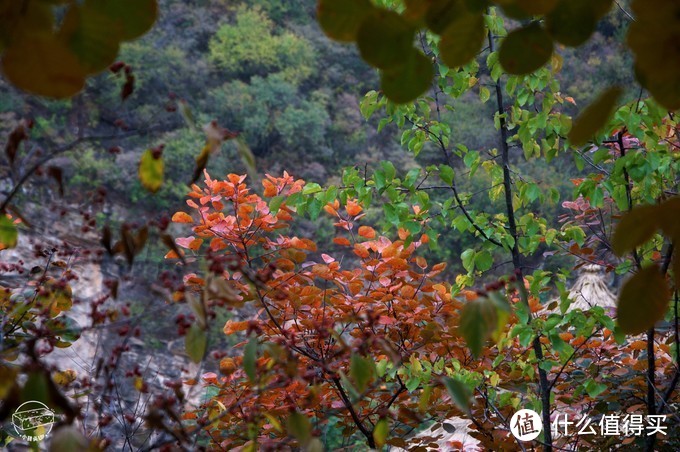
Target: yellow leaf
(151, 168)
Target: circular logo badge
(526, 425)
(33, 421)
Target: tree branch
(516, 256)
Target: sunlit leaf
(526, 49)
(380, 432)
(340, 19)
(409, 81)
(643, 301)
(151, 168)
(594, 117)
(462, 40)
(9, 236)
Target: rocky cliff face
(147, 355)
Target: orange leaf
(353, 208)
(361, 251)
(566, 336)
(195, 244)
(182, 217)
(232, 327)
(330, 210)
(638, 345)
(171, 255)
(285, 264)
(470, 295)
(367, 232)
(408, 292)
(342, 241)
(269, 189)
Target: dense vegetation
(385, 231)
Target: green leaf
(594, 388)
(484, 94)
(460, 393)
(406, 83)
(468, 259)
(384, 39)
(462, 40)
(643, 301)
(483, 260)
(478, 321)
(361, 369)
(594, 117)
(37, 388)
(380, 432)
(151, 170)
(65, 327)
(9, 236)
(340, 20)
(446, 174)
(275, 203)
(195, 342)
(525, 50)
(299, 427)
(250, 358)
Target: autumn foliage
(368, 335)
